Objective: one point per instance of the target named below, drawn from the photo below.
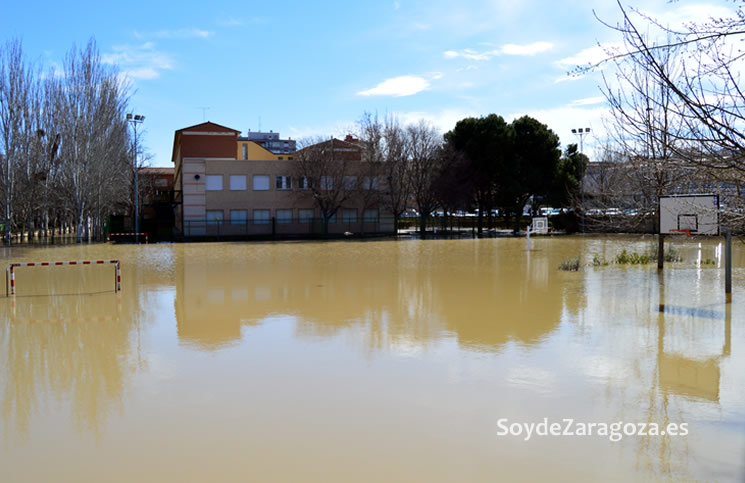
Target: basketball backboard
(694, 214)
(540, 225)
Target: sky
(314, 68)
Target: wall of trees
(65, 152)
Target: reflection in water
(354, 361)
(74, 349)
(412, 294)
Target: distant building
(233, 186)
(269, 141)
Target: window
(283, 182)
(238, 183)
(284, 217)
(261, 183)
(304, 183)
(245, 151)
(327, 183)
(305, 216)
(213, 182)
(350, 182)
(214, 216)
(262, 217)
(370, 183)
(349, 215)
(370, 216)
(238, 217)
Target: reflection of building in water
(392, 294)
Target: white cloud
(471, 54)
(443, 120)
(528, 49)
(139, 62)
(675, 18)
(568, 78)
(175, 34)
(405, 85)
(587, 101)
(506, 49)
(589, 56)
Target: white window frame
(213, 182)
(283, 182)
(237, 182)
(303, 183)
(261, 180)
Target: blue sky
(313, 68)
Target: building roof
(201, 127)
(157, 171)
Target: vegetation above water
(569, 265)
(634, 258)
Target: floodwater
(371, 361)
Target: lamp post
(581, 133)
(136, 119)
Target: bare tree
(63, 141)
(323, 169)
(372, 144)
(17, 83)
(424, 155)
(705, 97)
(396, 182)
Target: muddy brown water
(371, 361)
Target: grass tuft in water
(569, 264)
(598, 261)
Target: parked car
(613, 212)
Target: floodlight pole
(135, 120)
(581, 132)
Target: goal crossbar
(11, 276)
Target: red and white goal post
(11, 275)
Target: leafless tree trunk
(424, 150)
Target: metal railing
(286, 227)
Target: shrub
(569, 265)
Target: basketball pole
(727, 264)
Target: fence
(127, 234)
(286, 227)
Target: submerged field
(371, 361)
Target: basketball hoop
(687, 232)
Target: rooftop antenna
(204, 112)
